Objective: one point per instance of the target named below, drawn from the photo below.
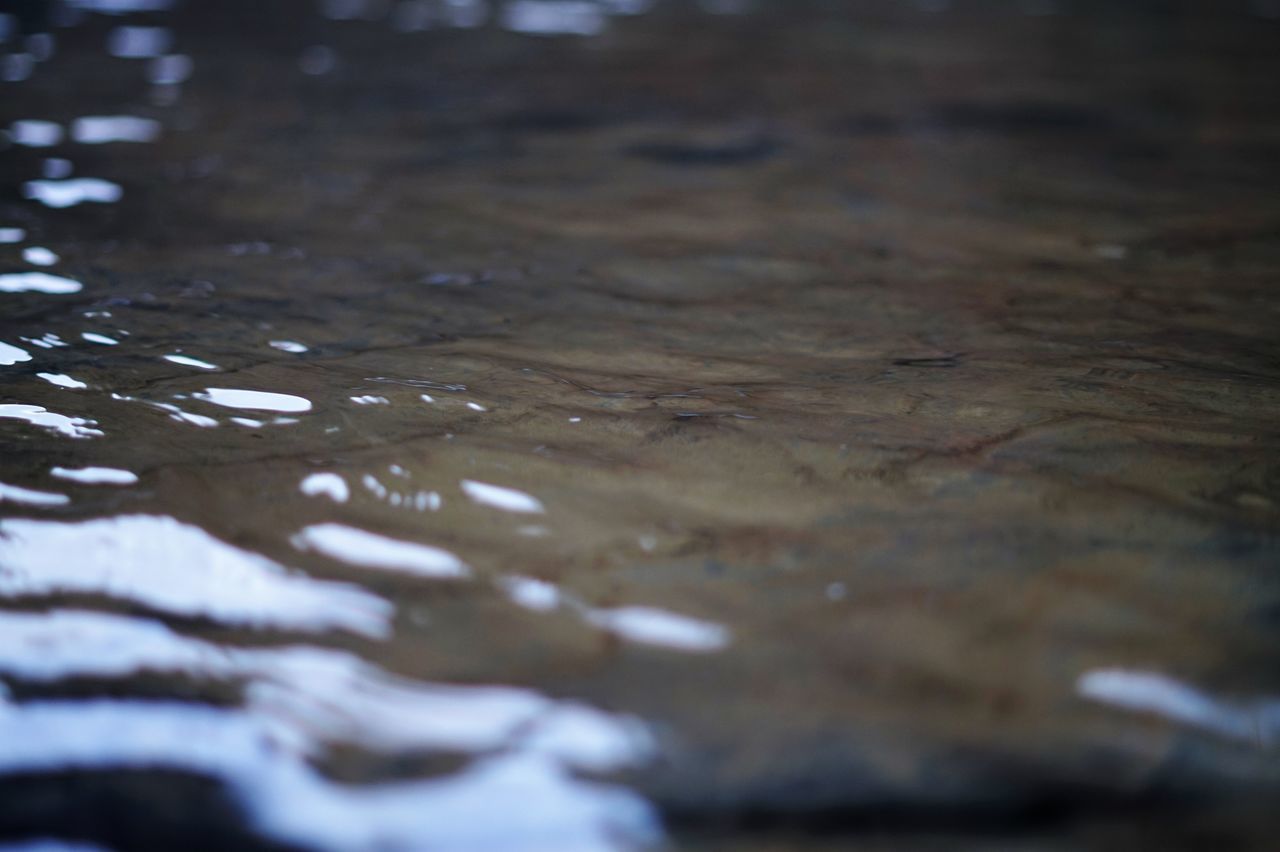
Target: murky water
(560, 425)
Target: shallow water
(592, 425)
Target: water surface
(605, 425)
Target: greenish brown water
(745, 426)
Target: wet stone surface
(585, 425)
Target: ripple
(100, 129)
(34, 133)
(530, 593)
(642, 624)
(48, 340)
(1151, 692)
(252, 399)
(299, 700)
(73, 191)
(188, 361)
(357, 547)
(72, 427)
(177, 568)
(62, 380)
(658, 627)
(39, 256)
(10, 355)
(181, 416)
(29, 497)
(328, 694)
(285, 798)
(95, 475)
(329, 485)
(507, 499)
(38, 282)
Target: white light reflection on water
(176, 568)
(37, 282)
(62, 380)
(10, 355)
(329, 485)
(188, 361)
(544, 807)
(1150, 692)
(420, 500)
(35, 134)
(30, 497)
(39, 256)
(177, 414)
(12, 235)
(100, 129)
(651, 626)
(370, 550)
(71, 427)
(300, 699)
(256, 400)
(530, 593)
(47, 341)
(73, 191)
(323, 694)
(641, 624)
(507, 499)
(95, 475)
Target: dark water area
(608, 424)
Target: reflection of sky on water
(298, 702)
(95, 475)
(36, 415)
(132, 558)
(1254, 721)
(370, 550)
(72, 191)
(37, 282)
(540, 804)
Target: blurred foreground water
(567, 425)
